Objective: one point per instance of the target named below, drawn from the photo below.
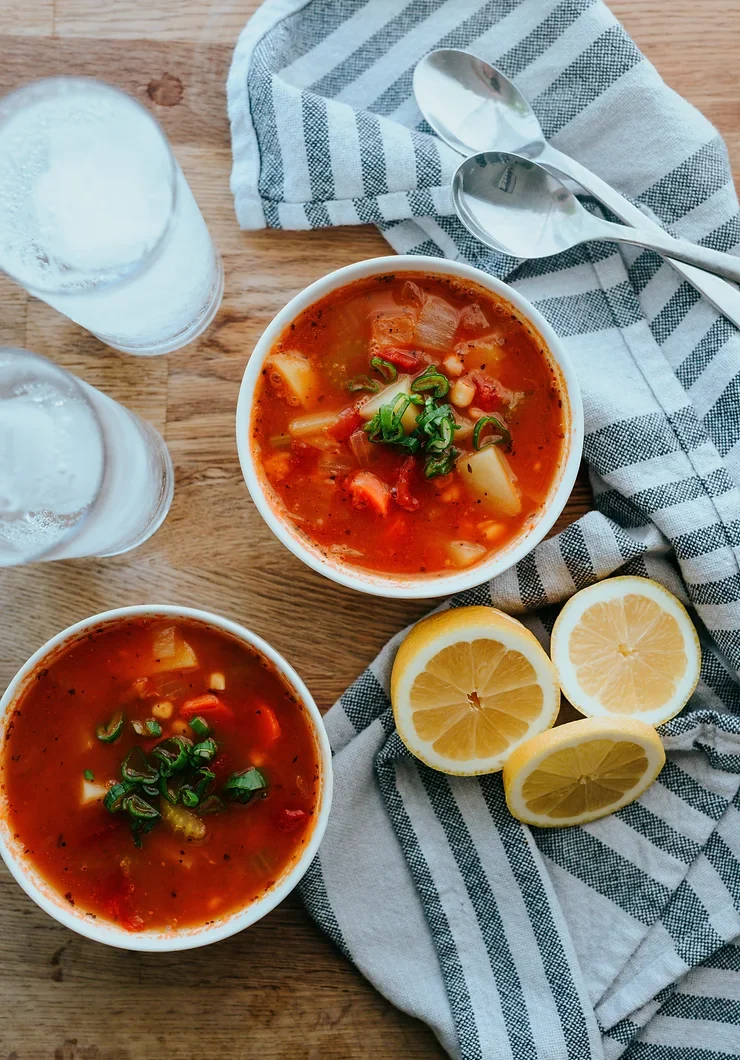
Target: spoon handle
(712, 260)
(716, 290)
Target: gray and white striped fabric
(621, 938)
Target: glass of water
(97, 219)
(80, 475)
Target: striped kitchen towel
(620, 938)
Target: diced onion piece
(387, 396)
(393, 329)
(294, 373)
(462, 393)
(362, 448)
(463, 553)
(411, 293)
(178, 819)
(472, 318)
(280, 441)
(436, 325)
(488, 474)
(453, 366)
(92, 792)
(314, 423)
(464, 427)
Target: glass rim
(77, 386)
(14, 102)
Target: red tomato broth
(312, 483)
(87, 854)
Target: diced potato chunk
(304, 426)
(162, 710)
(387, 396)
(178, 819)
(463, 553)
(170, 652)
(464, 425)
(489, 475)
(294, 375)
(437, 324)
(393, 329)
(92, 792)
(217, 682)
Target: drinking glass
(80, 475)
(97, 219)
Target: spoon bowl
(472, 106)
(515, 206)
(518, 207)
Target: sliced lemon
(626, 647)
(581, 771)
(468, 686)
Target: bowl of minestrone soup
(409, 426)
(165, 778)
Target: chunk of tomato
(367, 490)
(487, 392)
(403, 359)
(402, 490)
(288, 820)
(211, 706)
(348, 422)
(268, 727)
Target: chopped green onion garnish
(110, 732)
(211, 804)
(151, 789)
(240, 787)
(204, 752)
(153, 727)
(441, 465)
(169, 788)
(431, 379)
(207, 776)
(88, 775)
(386, 369)
(115, 796)
(200, 726)
(363, 382)
(138, 727)
(173, 754)
(136, 769)
(189, 798)
(500, 436)
(139, 808)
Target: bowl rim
(373, 582)
(154, 941)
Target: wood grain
(279, 991)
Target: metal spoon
(514, 205)
(473, 107)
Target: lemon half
(580, 771)
(469, 685)
(626, 647)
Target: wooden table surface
(278, 991)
